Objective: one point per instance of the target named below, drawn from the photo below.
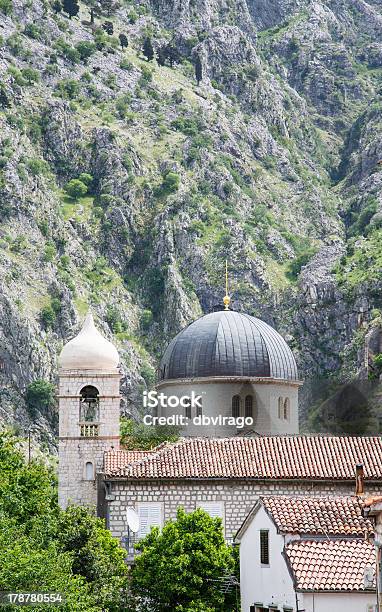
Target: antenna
(132, 520)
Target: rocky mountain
(253, 134)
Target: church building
(240, 366)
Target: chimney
(359, 480)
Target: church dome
(228, 343)
(89, 350)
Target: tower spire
(226, 299)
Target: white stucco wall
(265, 584)
(217, 399)
(337, 602)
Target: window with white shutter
(150, 515)
(214, 508)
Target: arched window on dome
(286, 411)
(199, 409)
(236, 405)
(89, 471)
(187, 408)
(89, 411)
(248, 406)
(281, 407)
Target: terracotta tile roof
(263, 457)
(332, 565)
(318, 516)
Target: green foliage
(85, 49)
(191, 126)
(43, 548)
(37, 166)
(294, 267)
(87, 179)
(6, 6)
(40, 396)
(360, 222)
(114, 320)
(146, 319)
(71, 7)
(137, 436)
(68, 88)
(178, 568)
(50, 252)
(67, 51)
(170, 184)
(76, 188)
(148, 374)
(33, 31)
(147, 49)
(48, 316)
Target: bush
(146, 318)
(6, 6)
(170, 183)
(67, 51)
(40, 396)
(68, 88)
(76, 189)
(126, 64)
(48, 316)
(37, 166)
(85, 49)
(87, 179)
(33, 31)
(49, 252)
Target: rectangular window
(150, 515)
(214, 509)
(264, 546)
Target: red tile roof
(332, 565)
(318, 515)
(263, 457)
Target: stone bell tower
(89, 406)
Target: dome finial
(226, 299)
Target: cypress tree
(148, 50)
(123, 40)
(108, 27)
(172, 54)
(161, 56)
(71, 7)
(198, 69)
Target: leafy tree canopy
(181, 567)
(137, 436)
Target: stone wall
(238, 497)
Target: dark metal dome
(228, 343)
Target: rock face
(270, 158)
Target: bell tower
(89, 407)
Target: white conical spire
(89, 350)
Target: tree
(45, 548)
(123, 40)
(30, 75)
(198, 70)
(76, 189)
(71, 7)
(57, 6)
(40, 395)
(172, 54)
(94, 7)
(147, 49)
(48, 316)
(108, 6)
(85, 48)
(137, 436)
(161, 56)
(178, 568)
(108, 27)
